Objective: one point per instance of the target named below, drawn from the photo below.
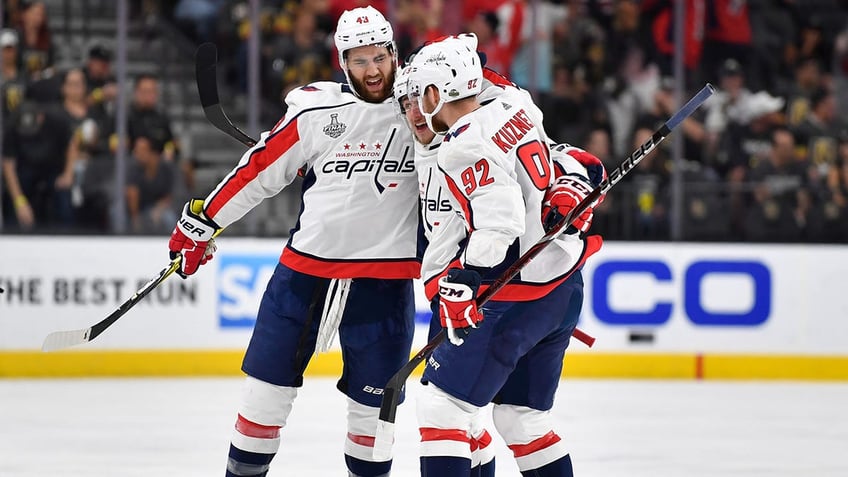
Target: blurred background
(103, 132)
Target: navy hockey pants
(515, 355)
(375, 332)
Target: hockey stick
(65, 339)
(384, 437)
(205, 70)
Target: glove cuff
(464, 276)
(455, 292)
(194, 224)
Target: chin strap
(334, 306)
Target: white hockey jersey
(444, 229)
(497, 165)
(358, 215)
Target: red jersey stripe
(519, 291)
(251, 429)
(496, 78)
(385, 269)
(520, 450)
(463, 201)
(260, 159)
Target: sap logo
(737, 293)
(241, 283)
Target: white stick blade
(384, 438)
(64, 339)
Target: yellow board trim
(35, 364)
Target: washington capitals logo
(365, 158)
(335, 128)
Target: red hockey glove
(458, 302)
(192, 238)
(563, 196)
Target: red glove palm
(193, 238)
(458, 302)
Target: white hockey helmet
(362, 26)
(452, 66)
(401, 86)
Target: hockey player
(350, 259)
(438, 218)
(496, 164)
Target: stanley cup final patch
(335, 128)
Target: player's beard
(362, 89)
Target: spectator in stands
(485, 25)
(149, 188)
(807, 80)
(74, 104)
(36, 46)
(296, 58)
(528, 29)
(572, 109)
(608, 213)
(578, 40)
(659, 15)
(816, 136)
(147, 120)
(102, 88)
(73, 111)
(745, 142)
(623, 37)
(664, 107)
(649, 187)
(779, 209)
(727, 104)
(416, 22)
(724, 105)
(34, 156)
(96, 140)
(727, 35)
(835, 203)
(773, 33)
(12, 80)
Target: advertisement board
(655, 300)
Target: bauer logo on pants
(241, 282)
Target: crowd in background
(59, 138)
(765, 160)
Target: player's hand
(563, 196)
(192, 238)
(458, 302)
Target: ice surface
(181, 427)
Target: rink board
(657, 310)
